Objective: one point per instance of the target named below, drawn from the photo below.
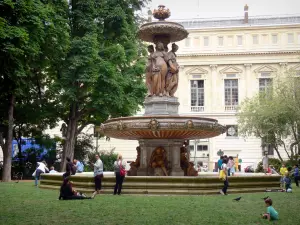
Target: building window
(206, 41)
(197, 95)
(187, 42)
(231, 94)
(274, 38)
(255, 39)
(290, 38)
(265, 38)
(230, 41)
(240, 40)
(202, 147)
(196, 42)
(220, 41)
(232, 131)
(264, 84)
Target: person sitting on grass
(271, 214)
(68, 193)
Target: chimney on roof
(246, 13)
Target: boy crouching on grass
(271, 214)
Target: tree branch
(79, 129)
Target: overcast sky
(186, 9)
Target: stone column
(248, 80)
(214, 92)
(175, 146)
(143, 169)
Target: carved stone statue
(188, 167)
(136, 164)
(158, 70)
(172, 76)
(150, 64)
(159, 160)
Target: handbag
(222, 175)
(122, 170)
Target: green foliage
(108, 158)
(275, 117)
(276, 163)
(84, 145)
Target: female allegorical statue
(156, 73)
(172, 76)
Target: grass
(22, 203)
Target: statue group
(162, 70)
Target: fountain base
(156, 105)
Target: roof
(239, 22)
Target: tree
(32, 38)
(275, 118)
(83, 145)
(102, 73)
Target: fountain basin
(174, 31)
(155, 185)
(162, 127)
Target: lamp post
(195, 149)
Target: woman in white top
(42, 168)
(119, 165)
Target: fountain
(162, 165)
(161, 132)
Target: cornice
(237, 53)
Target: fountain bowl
(162, 127)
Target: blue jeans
(37, 176)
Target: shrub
(276, 163)
(108, 158)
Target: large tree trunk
(69, 144)
(7, 151)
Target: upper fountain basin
(174, 31)
(162, 127)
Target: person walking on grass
(119, 166)
(224, 177)
(296, 175)
(98, 174)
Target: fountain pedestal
(172, 148)
(161, 106)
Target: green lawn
(22, 203)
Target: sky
(187, 9)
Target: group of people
(284, 172)
(67, 192)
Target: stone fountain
(163, 135)
(161, 132)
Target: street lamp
(195, 149)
